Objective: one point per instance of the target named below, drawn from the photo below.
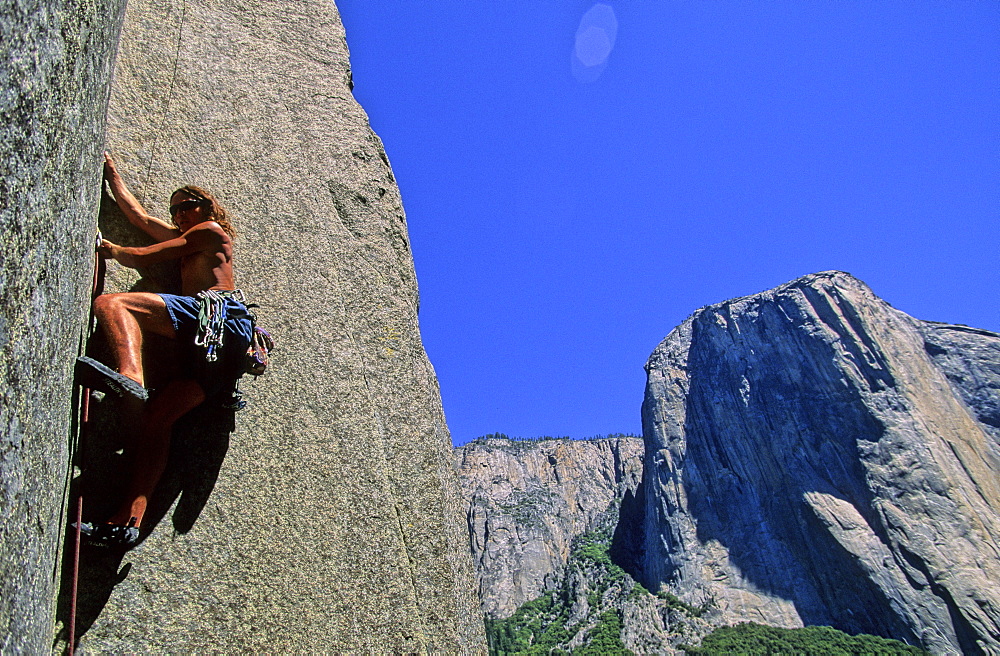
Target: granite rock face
(815, 456)
(330, 519)
(55, 67)
(527, 500)
(547, 540)
(326, 516)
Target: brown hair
(216, 210)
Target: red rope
(76, 575)
(95, 290)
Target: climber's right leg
(125, 319)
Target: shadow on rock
(199, 444)
(197, 451)
(100, 571)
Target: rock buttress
(527, 500)
(55, 68)
(815, 456)
(328, 520)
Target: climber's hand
(107, 250)
(110, 171)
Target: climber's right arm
(130, 207)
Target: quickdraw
(212, 314)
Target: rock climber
(201, 238)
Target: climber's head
(191, 205)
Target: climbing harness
(212, 314)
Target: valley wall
(814, 456)
(526, 500)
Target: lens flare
(595, 39)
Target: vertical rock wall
(526, 501)
(815, 456)
(328, 519)
(550, 522)
(55, 66)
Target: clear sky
(578, 178)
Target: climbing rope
(169, 96)
(100, 266)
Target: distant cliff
(543, 519)
(814, 456)
(526, 501)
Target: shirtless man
(202, 239)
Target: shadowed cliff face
(55, 66)
(526, 501)
(815, 456)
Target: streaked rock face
(815, 456)
(326, 517)
(56, 60)
(527, 500)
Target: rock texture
(546, 539)
(326, 517)
(55, 67)
(527, 500)
(330, 521)
(815, 456)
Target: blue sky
(564, 217)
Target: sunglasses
(184, 206)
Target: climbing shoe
(91, 373)
(110, 535)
